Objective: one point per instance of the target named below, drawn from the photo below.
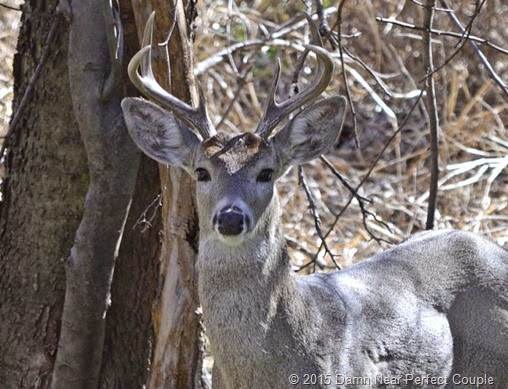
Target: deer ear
(158, 133)
(311, 133)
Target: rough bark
(44, 193)
(113, 163)
(128, 346)
(178, 347)
(43, 196)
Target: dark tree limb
(113, 161)
(10, 7)
(433, 114)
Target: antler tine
(145, 82)
(275, 113)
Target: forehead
(235, 152)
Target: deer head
(235, 174)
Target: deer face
(235, 177)
(235, 174)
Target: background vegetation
(374, 189)
(384, 72)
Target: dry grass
(473, 113)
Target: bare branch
(443, 33)
(344, 75)
(480, 54)
(369, 70)
(433, 114)
(145, 220)
(436, 9)
(317, 219)
(10, 7)
(372, 166)
(361, 202)
(241, 83)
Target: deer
(431, 311)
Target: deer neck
(248, 292)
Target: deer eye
(265, 175)
(202, 174)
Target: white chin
(231, 240)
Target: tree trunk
(177, 361)
(94, 74)
(128, 347)
(44, 190)
(43, 203)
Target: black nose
(230, 222)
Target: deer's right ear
(158, 133)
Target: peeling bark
(177, 359)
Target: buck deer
(430, 312)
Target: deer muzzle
(231, 221)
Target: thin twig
(443, 33)
(152, 207)
(372, 166)
(35, 76)
(344, 75)
(480, 54)
(462, 42)
(324, 28)
(369, 70)
(425, 6)
(241, 83)
(295, 244)
(315, 216)
(467, 30)
(10, 7)
(361, 200)
(433, 114)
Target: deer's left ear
(311, 133)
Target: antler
(145, 82)
(274, 113)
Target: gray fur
(158, 133)
(312, 132)
(434, 307)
